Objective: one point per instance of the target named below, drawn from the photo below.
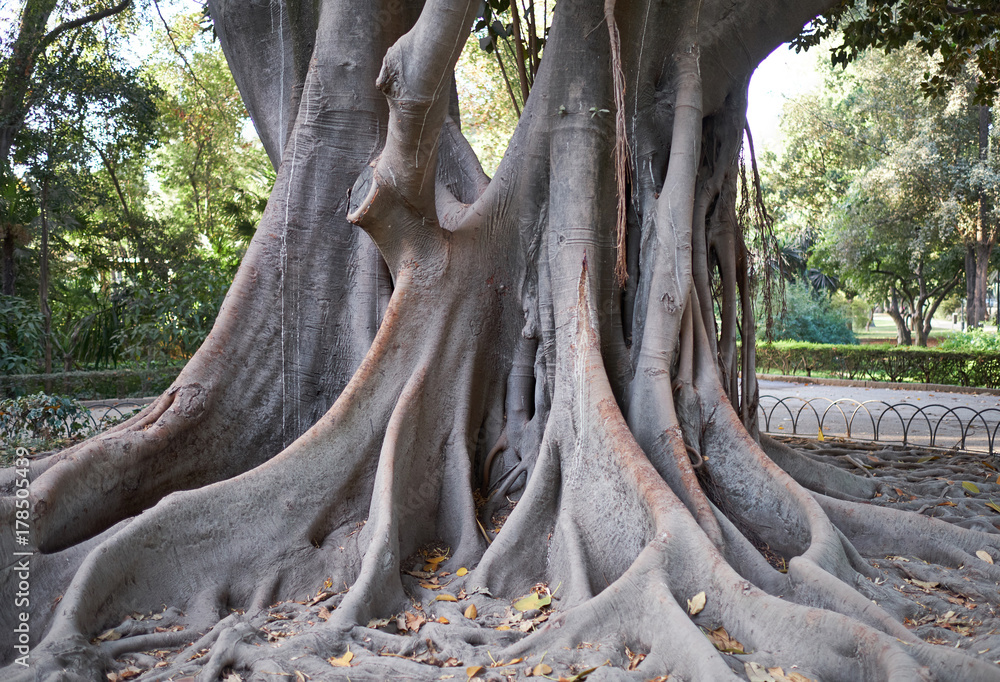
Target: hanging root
(622, 157)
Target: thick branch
(394, 201)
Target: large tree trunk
(498, 415)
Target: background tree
(213, 178)
(392, 368)
(960, 37)
(26, 65)
(886, 195)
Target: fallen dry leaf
(414, 620)
(724, 642)
(474, 671)
(342, 662)
(324, 613)
(445, 597)
(443, 620)
(462, 571)
(697, 603)
(757, 673)
(541, 669)
(471, 612)
(982, 554)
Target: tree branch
(394, 201)
(81, 21)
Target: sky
(783, 75)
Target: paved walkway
(923, 417)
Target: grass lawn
(885, 329)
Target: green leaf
(532, 602)
(994, 506)
(970, 486)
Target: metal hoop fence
(933, 425)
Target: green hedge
(96, 385)
(882, 363)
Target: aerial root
(818, 476)
(878, 531)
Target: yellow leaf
(342, 662)
(820, 435)
(982, 554)
(445, 597)
(433, 561)
(532, 602)
(471, 612)
(443, 620)
(462, 571)
(541, 669)
(971, 487)
(696, 603)
(474, 671)
(431, 586)
(503, 627)
(994, 506)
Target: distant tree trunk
(977, 254)
(970, 285)
(43, 281)
(9, 272)
(903, 335)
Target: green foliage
(41, 416)
(809, 316)
(170, 321)
(877, 182)
(20, 335)
(972, 340)
(882, 363)
(961, 36)
(213, 180)
(488, 116)
(153, 194)
(41, 422)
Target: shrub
(811, 318)
(20, 335)
(95, 385)
(972, 340)
(41, 422)
(883, 363)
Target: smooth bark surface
(427, 396)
